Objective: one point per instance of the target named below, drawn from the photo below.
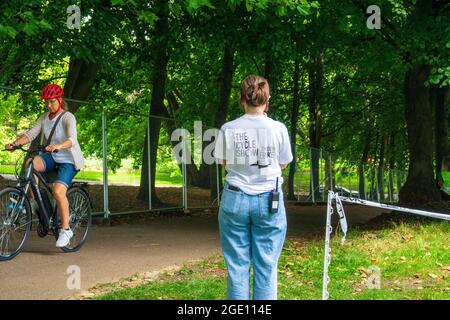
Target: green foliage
(361, 100)
(12, 125)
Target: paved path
(115, 252)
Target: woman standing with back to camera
(252, 217)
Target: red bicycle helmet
(52, 91)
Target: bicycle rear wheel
(15, 222)
(80, 218)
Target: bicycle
(16, 212)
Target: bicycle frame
(47, 213)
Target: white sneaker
(64, 238)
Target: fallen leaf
(407, 237)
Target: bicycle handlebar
(30, 150)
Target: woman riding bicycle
(64, 153)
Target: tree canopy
(378, 96)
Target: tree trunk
(269, 66)
(80, 80)
(362, 167)
(380, 169)
(193, 176)
(391, 153)
(315, 73)
(226, 79)
(419, 187)
(440, 98)
(204, 173)
(159, 76)
(294, 120)
(373, 195)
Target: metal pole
(218, 167)
(331, 174)
(327, 252)
(376, 182)
(363, 182)
(350, 186)
(318, 174)
(105, 167)
(390, 185)
(149, 167)
(311, 178)
(184, 179)
(183, 165)
(298, 182)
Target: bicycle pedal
(41, 231)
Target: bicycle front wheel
(80, 218)
(15, 222)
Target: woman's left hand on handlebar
(10, 146)
(52, 148)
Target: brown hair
(64, 104)
(255, 91)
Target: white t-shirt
(63, 155)
(253, 146)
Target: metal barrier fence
(175, 196)
(104, 122)
(316, 173)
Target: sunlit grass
(413, 262)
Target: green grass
(302, 178)
(7, 169)
(162, 177)
(414, 263)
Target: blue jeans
(249, 233)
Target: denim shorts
(65, 172)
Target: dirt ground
(124, 198)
